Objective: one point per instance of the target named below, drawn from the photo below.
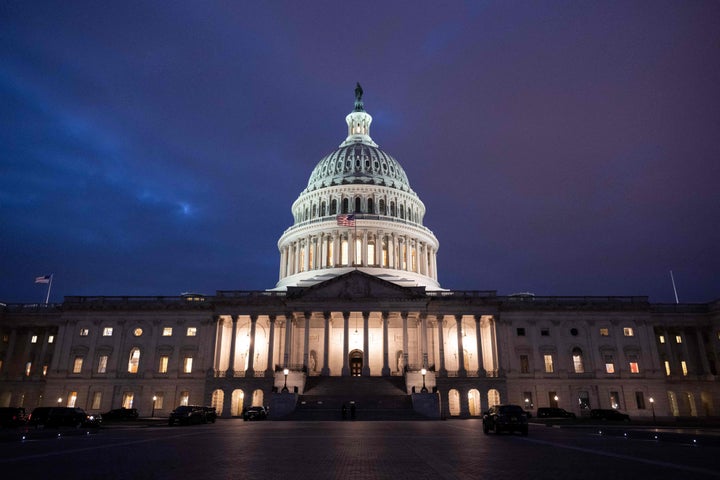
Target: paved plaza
(232, 449)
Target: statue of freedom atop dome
(359, 107)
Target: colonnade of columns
(363, 247)
(292, 349)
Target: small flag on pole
(43, 279)
(346, 220)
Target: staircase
(374, 398)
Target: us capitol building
(358, 318)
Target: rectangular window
(609, 364)
(44, 370)
(72, 399)
(127, 401)
(102, 364)
(77, 365)
(187, 364)
(51, 339)
(520, 332)
(545, 332)
(163, 364)
(548, 363)
(191, 331)
(184, 398)
(667, 368)
(158, 400)
(634, 367)
(614, 400)
(167, 332)
(524, 364)
(661, 338)
(678, 339)
(33, 339)
(96, 401)
(584, 400)
(527, 400)
(107, 332)
(84, 332)
(6, 337)
(683, 366)
(604, 332)
(640, 400)
(28, 369)
(628, 332)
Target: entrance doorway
(356, 363)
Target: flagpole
(47, 298)
(674, 289)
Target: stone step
(357, 386)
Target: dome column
(336, 249)
(364, 256)
(424, 339)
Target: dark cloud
(564, 148)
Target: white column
(233, 334)
(269, 371)
(423, 339)
(288, 339)
(346, 349)
(326, 354)
(441, 345)
(386, 363)
(406, 357)
(479, 353)
(251, 347)
(366, 345)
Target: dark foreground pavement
(232, 449)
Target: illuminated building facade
(358, 300)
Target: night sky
(560, 148)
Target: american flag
(346, 220)
(43, 279)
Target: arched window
(134, 360)
(314, 210)
(257, 399)
(323, 209)
(370, 206)
(358, 204)
(474, 403)
(236, 402)
(578, 360)
(392, 209)
(493, 397)
(454, 402)
(402, 211)
(382, 207)
(345, 205)
(333, 207)
(217, 400)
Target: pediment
(355, 285)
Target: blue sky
(561, 148)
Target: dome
(358, 163)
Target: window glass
(102, 364)
(107, 332)
(524, 364)
(520, 332)
(77, 365)
(84, 332)
(51, 338)
(678, 338)
(96, 400)
(167, 332)
(134, 360)
(187, 364)
(604, 332)
(628, 332)
(548, 363)
(127, 401)
(191, 331)
(163, 364)
(33, 339)
(28, 368)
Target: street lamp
(59, 401)
(424, 388)
(652, 406)
(285, 371)
(153, 409)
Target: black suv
(12, 416)
(61, 417)
(552, 412)
(187, 415)
(121, 414)
(509, 418)
(254, 413)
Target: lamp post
(652, 406)
(556, 400)
(153, 408)
(424, 388)
(285, 371)
(59, 401)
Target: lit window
(44, 370)
(640, 400)
(84, 332)
(159, 400)
(634, 368)
(51, 339)
(628, 332)
(96, 400)
(187, 365)
(137, 332)
(127, 401)
(102, 364)
(72, 398)
(33, 339)
(578, 361)
(134, 361)
(667, 368)
(77, 365)
(604, 332)
(184, 398)
(683, 365)
(609, 364)
(661, 338)
(1, 364)
(191, 331)
(678, 339)
(6, 337)
(163, 364)
(548, 363)
(614, 400)
(107, 332)
(28, 368)
(167, 332)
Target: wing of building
(358, 322)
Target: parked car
(12, 416)
(62, 417)
(509, 418)
(254, 413)
(552, 412)
(187, 415)
(121, 414)
(609, 414)
(210, 414)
